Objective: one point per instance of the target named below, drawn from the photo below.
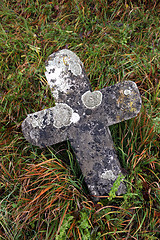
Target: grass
(42, 192)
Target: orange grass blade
(62, 218)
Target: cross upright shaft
(83, 117)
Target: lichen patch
(92, 100)
(109, 175)
(58, 71)
(59, 116)
(57, 80)
(75, 117)
(40, 119)
(127, 92)
(34, 134)
(64, 115)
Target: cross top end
(65, 75)
(70, 87)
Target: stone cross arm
(82, 117)
(114, 104)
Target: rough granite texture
(82, 117)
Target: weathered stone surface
(83, 117)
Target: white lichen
(92, 100)
(64, 115)
(61, 115)
(59, 68)
(127, 92)
(40, 119)
(92, 189)
(34, 134)
(75, 117)
(108, 174)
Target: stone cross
(82, 116)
